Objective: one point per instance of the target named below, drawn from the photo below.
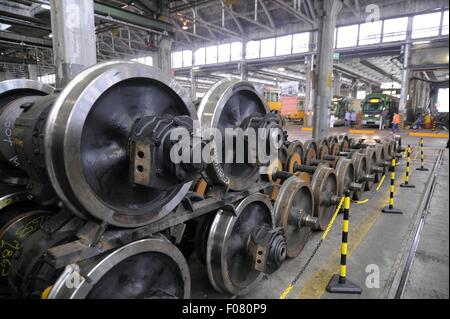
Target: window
(284, 45)
(442, 102)
(177, 59)
(395, 29)
(426, 25)
(211, 54)
(47, 79)
(252, 50)
(187, 58)
(224, 52)
(445, 23)
(370, 33)
(200, 56)
(267, 48)
(236, 51)
(300, 42)
(347, 36)
(148, 60)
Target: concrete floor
(376, 241)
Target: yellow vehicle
(300, 114)
(273, 100)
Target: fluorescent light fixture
(281, 69)
(45, 6)
(421, 42)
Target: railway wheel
(151, 268)
(242, 245)
(294, 214)
(325, 188)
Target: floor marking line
(316, 286)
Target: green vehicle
(379, 109)
(339, 106)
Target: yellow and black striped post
(406, 184)
(390, 208)
(421, 168)
(339, 282)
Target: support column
(405, 75)
(165, 55)
(193, 85)
(73, 29)
(32, 71)
(243, 65)
(327, 24)
(355, 86)
(337, 82)
(311, 83)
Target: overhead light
(281, 69)
(45, 6)
(50, 35)
(421, 42)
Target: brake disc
(372, 162)
(311, 152)
(389, 149)
(295, 155)
(227, 105)
(296, 147)
(324, 149)
(324, 186)
(228, 262)
(344, 143)
(361, 170)
(293, 207)
(150, 268)
(87, 142)
(345, 172)
(335, 148)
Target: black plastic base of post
(334, 286)
(407, 186)
(394, 210)
(422, 169)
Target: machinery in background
(379, 109)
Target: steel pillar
(337, 82)
(193, 85)
(164, 55)
(32, 71)
(405, 73)
(311, 83)
(327, 24)
(73, 30)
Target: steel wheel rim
(65, 134)
(290, 198)
(221, 276)
(221, 108)
(96, 271)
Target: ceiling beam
(132, 18)
(24, 39)
(286, 7)
(372, 66)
